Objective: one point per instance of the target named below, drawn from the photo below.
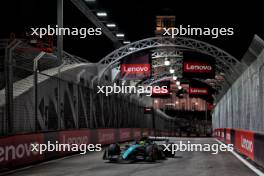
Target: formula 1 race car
(145, 150)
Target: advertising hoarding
(136, 67)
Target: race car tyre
(113, 149)
(151, 153)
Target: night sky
(137, 20)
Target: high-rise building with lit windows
(165, 21)
(185, 103)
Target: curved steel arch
(228, 63)
(166, 53)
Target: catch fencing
(242, 107)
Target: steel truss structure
(68, 99)
(226, 64)
(43, 93)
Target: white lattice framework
(225, 63)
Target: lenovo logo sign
(19, 151)
(198, 91)
(246, 144)
(135, 69)
(106, 136)
(75, 140)
(192, 67)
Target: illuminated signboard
(198, 91)
(195, 67)
(136, 67)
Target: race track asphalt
(184, 164)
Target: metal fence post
(78, 80)
(59, 103)
(60, 25)
(8, 120)
(35, 85)
(153, 117)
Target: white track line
(249, 165)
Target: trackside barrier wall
(16, 151)
(243, 104)
(248, 143)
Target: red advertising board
(136, 66)
(228, 136)
(125, 134)
(18, 150)
(198, 91)
(145, 132)
(222, 134)
(143, 69)
(244, 142)
(106, 136)
(137, 133)
(197, 67)
(75, 137)
(201, 69)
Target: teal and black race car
(145, 150)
